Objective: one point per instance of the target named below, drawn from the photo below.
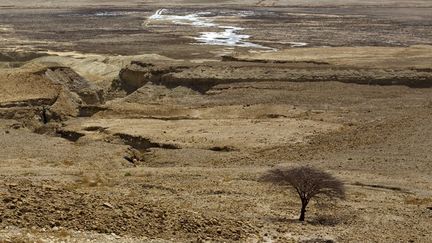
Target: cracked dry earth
(165, 147)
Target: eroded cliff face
(44, 89)
(89, 93)
(202, 77)
(44, 94)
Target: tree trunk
(303, 211)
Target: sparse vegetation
(136, 121)
(308, 183)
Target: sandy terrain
(119, 128)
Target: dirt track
(168, 141)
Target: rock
(108, 205)
(88, 92)
(115, 236)
(29, 95)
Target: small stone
(108, 205)
(115, 236)
(93, 183)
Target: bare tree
(308, 183)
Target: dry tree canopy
(307, 181)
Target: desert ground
(150, 121)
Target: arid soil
(123, 130)
(123, 27)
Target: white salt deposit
(227, 36)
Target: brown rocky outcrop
(44, 94)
